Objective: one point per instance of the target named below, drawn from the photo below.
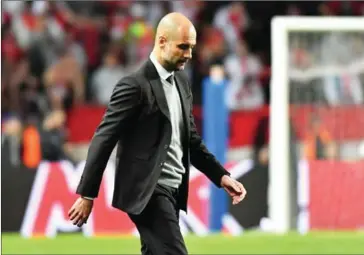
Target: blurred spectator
(120, 21)
(343, 90)
(212, 49)
(243, 69)
(64, 82)
(13, 8)
(209, 51)
(12, 126)
(346, 87)
(232, 20)
(318, 143)
(75, 48)
(11, 139)
(140, 35)
(31, 144)
(36, 24)
(105, 78)
(33, 102)
(299, 56)
(89, 21)
(331, 42)
(14, 82)
(53, 138)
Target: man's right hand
(80, 211)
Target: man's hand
(234, 188)
(80, 211)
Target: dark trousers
(158, 224)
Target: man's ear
(162, 41)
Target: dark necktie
(170, 79)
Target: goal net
(317, 124)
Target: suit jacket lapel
(160, 96)
(158, 91)
(157, 88)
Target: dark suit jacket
(137, 118)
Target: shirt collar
(163, 73)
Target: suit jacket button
(161, 164)
(166, 146)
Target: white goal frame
(280, 195)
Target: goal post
(281, 195)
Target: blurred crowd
(60, 54)
(57, 54)
(327, 68)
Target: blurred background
(61, 60)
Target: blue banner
(215, 135)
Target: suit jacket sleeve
(122, 107)
(201, 158)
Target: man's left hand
(234, 188)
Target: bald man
(150, 117)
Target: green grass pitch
(248, 243)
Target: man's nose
(188, 54)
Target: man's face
(177, 50)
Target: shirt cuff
(89, 198)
